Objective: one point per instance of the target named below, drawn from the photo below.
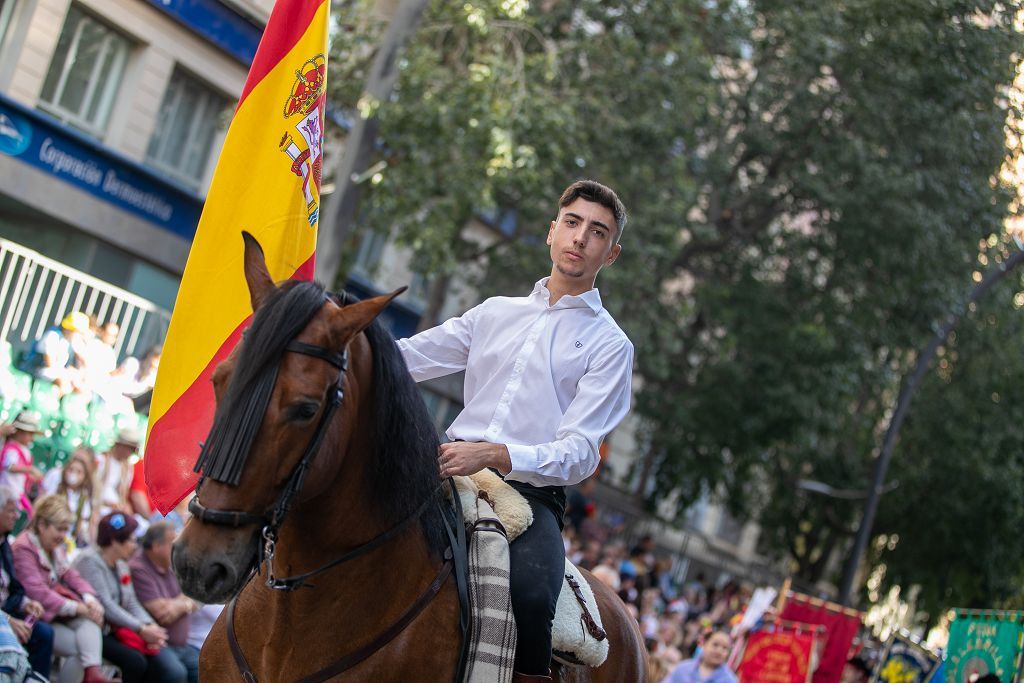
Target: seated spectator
(16, 468)
(157, 589)
(138, 377)
(201, 624)
(69, 602)
(37, 637)
(116, 473)
(710, 666)
(75, 483)
(135, 642)
(51, 357)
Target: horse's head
(280, 416)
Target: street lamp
(909, 386)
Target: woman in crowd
(709, 666)
(135, 641)
(75, 482)
(69, 603)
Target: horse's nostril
(216, 576)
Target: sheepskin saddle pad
(577, 634)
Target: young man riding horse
(547, 378)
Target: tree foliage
(808, 185)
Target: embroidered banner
(904, 661)
(983, 642)
(782, 656)
(841, 623)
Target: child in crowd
(16, 467)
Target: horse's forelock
(238, 417)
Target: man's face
(582, 240)
(161, 550)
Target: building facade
(112, 115)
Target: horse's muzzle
(213, 574)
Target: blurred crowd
(691, 628)
(86, 587)
(79, 356)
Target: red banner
(779, 657)
(841, 626)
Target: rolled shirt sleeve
(601, 401)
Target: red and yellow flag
(267, 182)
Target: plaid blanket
(492, 633)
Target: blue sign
(218, 23)
(42, 142)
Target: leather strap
(350, 660)
(231, 518)
(236, 650)
(460, 551)
(292, 582)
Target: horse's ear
(256, 274)
(354, 318)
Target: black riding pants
(537, 565)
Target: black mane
(403, 471)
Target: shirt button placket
(516, 379)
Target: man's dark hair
(156, 533)
(595, 192)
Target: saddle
(577, 634)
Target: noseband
(272, 522)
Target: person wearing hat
(134, 641)
(16, 467)
(52, 355)
(116, 472)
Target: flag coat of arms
(267, 182)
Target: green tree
(808, 185)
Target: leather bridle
(272, 522)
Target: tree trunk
(435, 302)
(339, 208)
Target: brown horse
(319, 387)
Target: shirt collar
(590, 298)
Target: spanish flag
(267, 182)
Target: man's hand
(154, 634)
(21, 630)
(462, 458)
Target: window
(190, 117)
(85, 73)
(6, 10)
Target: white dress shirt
(549, 382)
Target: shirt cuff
(524, 462)
(89, 597)
(68, 609)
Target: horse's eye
(303, 412)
